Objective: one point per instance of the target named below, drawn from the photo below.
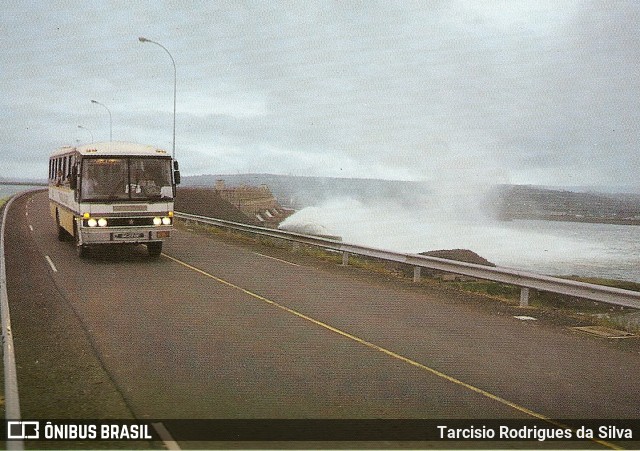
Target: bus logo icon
(23, 429)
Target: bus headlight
(102, 222)
(166, 221)
(157, 221)
(92, 222)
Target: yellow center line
(397, 356)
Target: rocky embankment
(207, 202)
(461, 255)
(241, 208)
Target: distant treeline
(530, 202)
(24, 183)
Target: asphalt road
(216, 329)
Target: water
(559, 248)
(543, 247)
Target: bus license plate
(129, 235)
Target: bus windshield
(126, 179)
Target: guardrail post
(416, 273)
(524, 297)
(345, 259)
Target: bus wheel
(81, 250)
(155, 249)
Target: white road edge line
(278, 259)
(165, 436)
(11, 397)
(51, 263)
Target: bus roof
(113, 148)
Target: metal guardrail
(524, 280)
(11, 398)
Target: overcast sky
(537, 92)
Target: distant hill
(25, 182)
(298, 192)
(531, 202)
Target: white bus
(113, 193)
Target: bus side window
(59, 174)
(73, 181)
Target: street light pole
(90, 132)
(141, 39)
(110, 119)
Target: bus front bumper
(114, 235)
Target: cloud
(531, 91)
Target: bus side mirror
(176, 172)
